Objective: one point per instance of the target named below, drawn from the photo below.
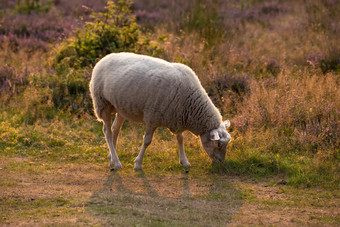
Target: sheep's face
(215, 142)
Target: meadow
(271, 67)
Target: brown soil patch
(48, 194)
(83, 194)
(87, 194)
(272, 206)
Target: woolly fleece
(146, 89)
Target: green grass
(80, 140)
(47, 148)
(34, 208)
(284, 112)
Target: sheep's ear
(226, 124)
(214, 135)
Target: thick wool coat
(151, 90)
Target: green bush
(114, 30)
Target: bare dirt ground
(81, 194)
(282, 206)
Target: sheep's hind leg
(117, 124)
(147, 140)
(113, 157)
(182, 156)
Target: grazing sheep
(160, 94)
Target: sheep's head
(215, 142)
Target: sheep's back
(140, 88)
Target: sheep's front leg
(147, 140)
(113, 157)
(182, 156)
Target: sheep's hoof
(185, 164)
(115, 167)
(138, 164)
(138, 167)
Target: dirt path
(165, 200)
(74, 194)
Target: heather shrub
(35, 24)
(201, 17)
(32, 32)
(323, 15)
(295, 113)
(11, 81)
(227, 91)
(7, 4)
(331, 62)
(78, 10)
(30, 6)
(151, 13)
(204, 19)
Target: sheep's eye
(220, 143)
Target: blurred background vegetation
(272, 67)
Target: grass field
(271, 67)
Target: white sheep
(160, 94)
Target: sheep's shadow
(146, 199)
